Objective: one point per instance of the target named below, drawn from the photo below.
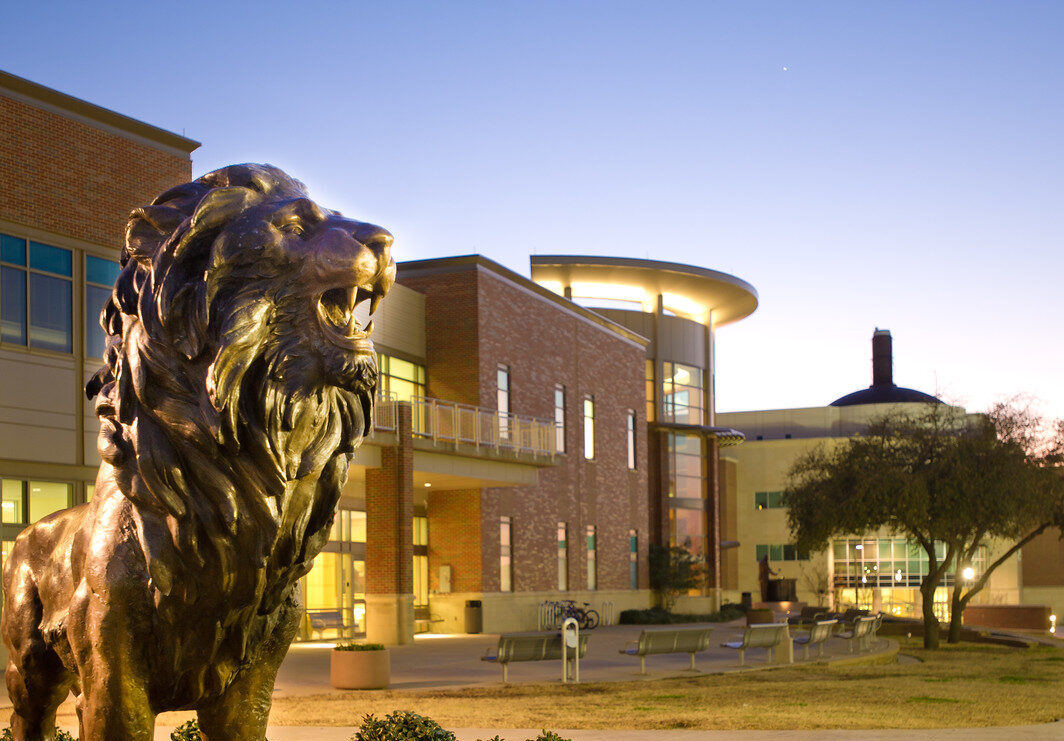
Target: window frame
(588, 413)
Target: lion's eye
(292, 228)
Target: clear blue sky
(862, 164)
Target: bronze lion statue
(237, 383)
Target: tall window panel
(503, 396)
(559, 418)
(631, 440)
(592, 559)
(506, 563)
(633, 559)
(682, 394)
(400, 378)
(651, 415)
(563, 557)
(589, 427)
(36, 292)
(100, 276)
(421, 560)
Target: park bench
(322, 620)
(808, 616)
(819, 632)
(759, 635)
(861, 633)
(529, 647)
(668, 641)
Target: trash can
(746, 601)
(474, 616)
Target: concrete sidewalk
(1048, 732)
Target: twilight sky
(862, 164)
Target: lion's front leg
(242, 712)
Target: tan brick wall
(68, 177)
(1042, 559)
(476, 320)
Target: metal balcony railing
(451, 422)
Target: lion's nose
(378, 242)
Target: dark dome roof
(883, 390)
(884, 395)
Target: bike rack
(570, 639)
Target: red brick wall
(389, 516)
(70, 178)
(451, 331)
(544, 344)
(1018, 617)
(455, 539)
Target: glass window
(651, 416)
(12, 504)
(686, 472)
(421, 580)
(47, 497)
(688, 529)
(323, 582)
(502, 377)
(50, 259)
(506, 566)
(563, 558)
(761, 551)
(682, 393)
(592, 566)
(421, 531)
(35, 304)
(559, 418)
(50, 312)
(12, 305)
(768, 499)
(100, 276)
(633, 559)
(12, 250)
(589, 427)
(400, 379)
(631, 440)
(100, 271)
(775, 552)
(358, 526)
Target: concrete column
(390, 540)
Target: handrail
(449, 421)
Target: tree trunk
(956, 611)
(930, 621)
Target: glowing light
(427, 484)
(864, 579)
(897, 575)
(968, 573)
(859, 547)
(1053, 624)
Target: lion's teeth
(374, 302)
(369, 328)
(352, 292)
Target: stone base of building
(509, 612)
(390, 619)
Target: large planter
(360, 670)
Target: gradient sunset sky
(863, 165)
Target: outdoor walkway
(451, 661)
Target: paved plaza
(453, 661)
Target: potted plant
(359, 666)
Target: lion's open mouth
(336, 315)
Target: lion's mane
(209, 420)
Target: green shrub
(187, 731)
(402, 725)
(658, 616)
(352, 646)
(60, 735)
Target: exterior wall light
(1053, 624)
(968, 573)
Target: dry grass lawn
(969, 685)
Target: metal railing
(451, 422)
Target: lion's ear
(218, 208)
(149, 227)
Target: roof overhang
(700, 294)
(726, 436)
